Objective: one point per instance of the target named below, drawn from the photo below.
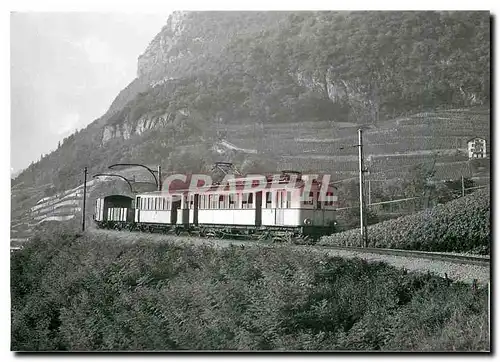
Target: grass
(80, 292)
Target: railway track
(448, 257)
(454, 258)
(481, 260)
(457, 267)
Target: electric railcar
(277, 210)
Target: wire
(374, 173)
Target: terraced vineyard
(438, 138)
(31, 207)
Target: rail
(454, 258)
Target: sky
(66, 69)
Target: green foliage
(73, 292)
(462, 225)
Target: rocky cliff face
(128, 129)
(159, 52)
(206, 71)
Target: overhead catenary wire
(377, 172)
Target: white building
(476, 147)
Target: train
(285, 208)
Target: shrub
(74, 292)
(462, 225)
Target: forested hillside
(207, 71)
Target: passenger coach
(276, 210)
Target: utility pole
(369, 192)
(463, 186)
(362, 214)
(159, 178)
(84, 197)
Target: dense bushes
(461, 225)
(79, 293)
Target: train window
(268, 199)
(309, 200)
(329, 199)
(288, 199)
(247, 201)
(231, 201)
(221, 202)
(283, 199)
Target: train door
(195, 208)
(173, 213)
(138, 206)
(280, 212)
(258, 208)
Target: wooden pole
(361, 190)
(84, 197)
(159, 178)
(369, 192)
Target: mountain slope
(276, 77)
